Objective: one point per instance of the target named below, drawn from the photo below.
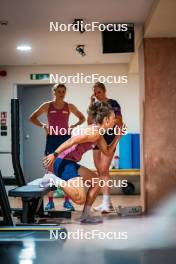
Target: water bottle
(115, 164)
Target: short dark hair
(99, 111)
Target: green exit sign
(39, 76)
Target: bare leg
(74, 187)
(50, 194)
(94, 189)
(87, 217)
(66, 203)
(97, 160)
(102, 164)
(50, 204)
(97, 163)
(104, 170)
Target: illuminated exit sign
(39, 76)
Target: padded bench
(32, 201)
(28, 191)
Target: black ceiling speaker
(118, 41)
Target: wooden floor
(124, 200)
(73, 223)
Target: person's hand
(120, 129)
(48, 161)
(124, 129)
(92, 99)
(119, 121)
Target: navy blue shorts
(53, 142)
(66, 169)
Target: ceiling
(162, 21)
(28, 23)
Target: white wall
(126, 94)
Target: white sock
(106, 200)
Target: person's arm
(38, 112)
(74, 141)
(89, 120)
(119, 121)
(118, 113)
(73, 109)
(83, 138)
(108, 149)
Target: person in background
(101, 161)
(58, 112)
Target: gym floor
(123, 200)
(150, 239)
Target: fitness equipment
(4, 204)
(15, 146)
(16, 233)
(10, 232)
(129, 210)
(31, 195)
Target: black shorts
(108, 139)
(53, 142)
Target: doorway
(32, 138)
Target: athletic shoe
(107, 209)
(49, 180)
(98, 208)
(67, 205)
(49, 206)
(91, 220)
(104, 209)
(59, 193)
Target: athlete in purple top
(71, 175)
(102, 162)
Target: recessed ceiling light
(24, 48)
